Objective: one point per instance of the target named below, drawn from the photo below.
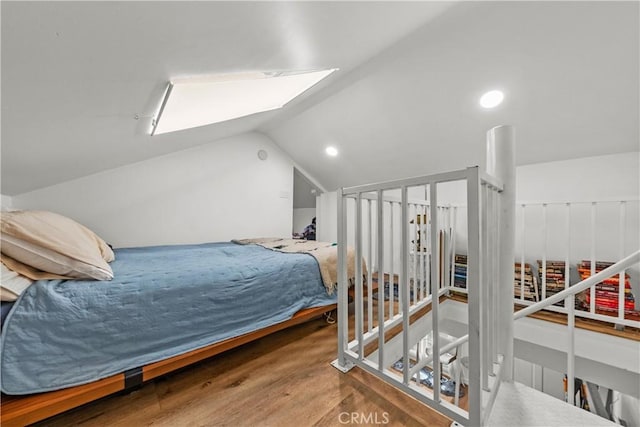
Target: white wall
(6, 202)
(602, 178)
(302, 217)
(605, 178)
(586, 179)
(214, 192)
(327, 217)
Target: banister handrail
(616, 268)
(570, 293)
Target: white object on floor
(460, 376)
(519, 405)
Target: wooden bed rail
(24, 410)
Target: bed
(67, 342)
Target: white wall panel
(214, 192)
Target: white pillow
(46, 245)
(52, 262)
(12, 284)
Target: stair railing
(569, 296)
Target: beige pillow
(52, 262)
(28, 271)
(12, 284)
(54, 244)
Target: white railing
(423, 259)
(568, 295)
(562, 234)
(585, 213)
(381, 248)
(407, 240)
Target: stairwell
(604, 356)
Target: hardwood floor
(284, 379)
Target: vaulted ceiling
(82, 80)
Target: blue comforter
(163, 301)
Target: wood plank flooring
(284, 379)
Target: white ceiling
(74, 75)
(569, 71)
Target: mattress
(162, 302)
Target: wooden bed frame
(23, 410)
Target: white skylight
(492, 99)
(199, 101)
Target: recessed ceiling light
(199, 101)
(492, 99)
(331, 151)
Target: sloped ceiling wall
(81, 81)
(75, 74)
(569, 71)
(304, 193)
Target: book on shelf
(525, 283)
(553, 279)
(611, 288)
(585, 268)
(528, 295)
(607, 290)
(460, 271)
(612, 295)
(614, 281)
(608, 304)
(600, 265)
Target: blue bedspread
(163, 301)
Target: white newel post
(501, 163)
(343, 333)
